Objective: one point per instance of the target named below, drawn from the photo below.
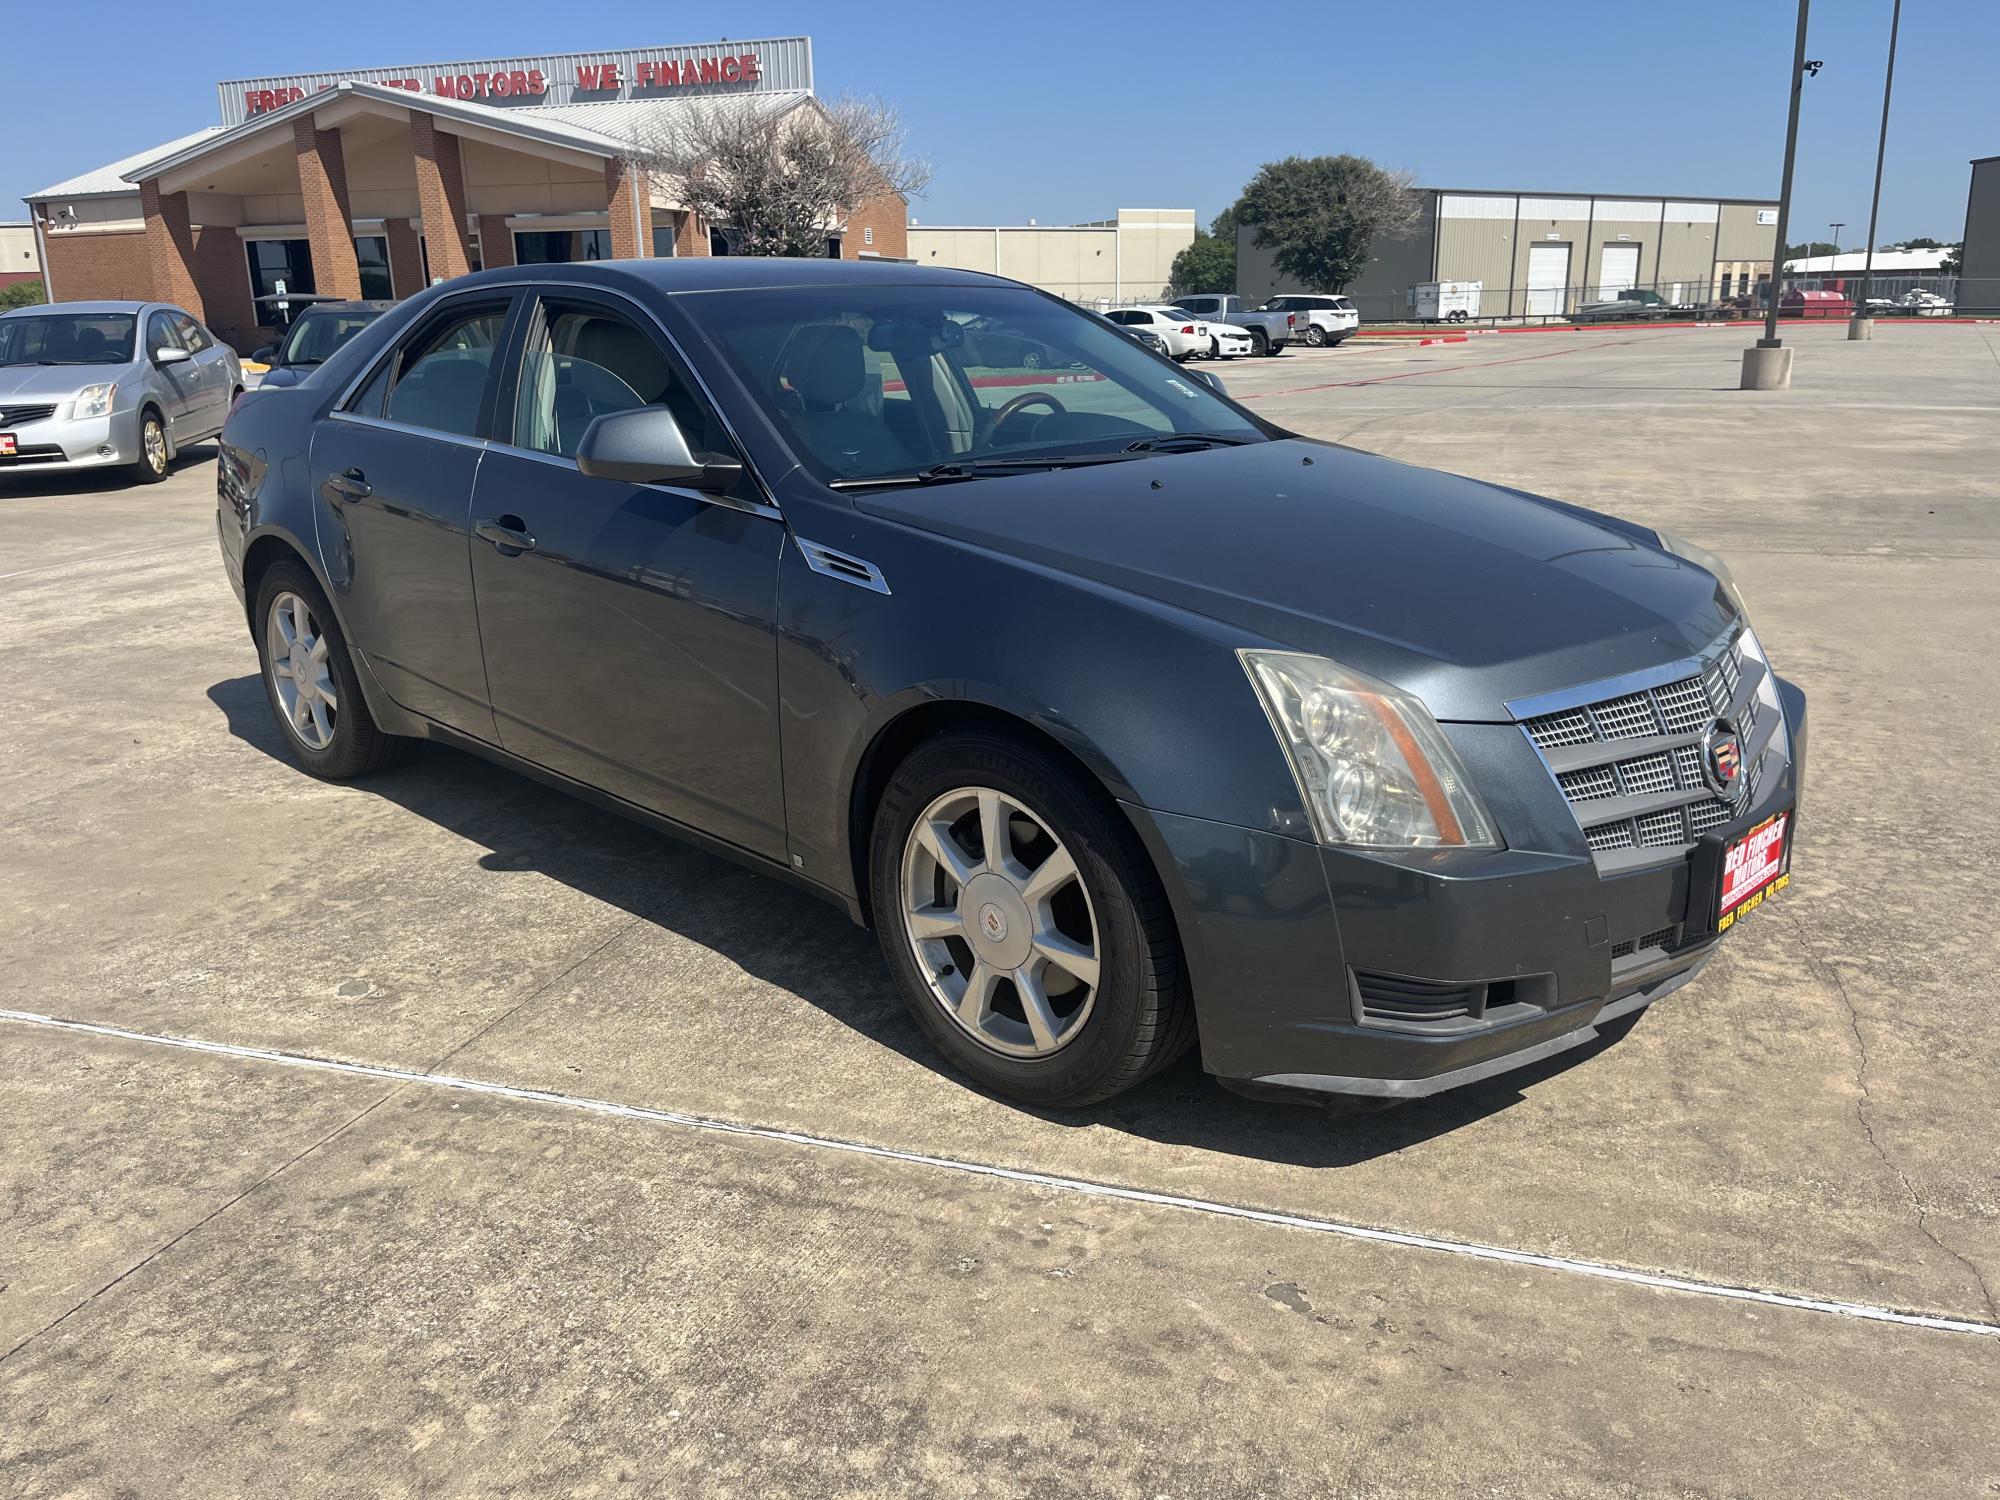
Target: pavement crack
(208, 1218)
(1864, 1107)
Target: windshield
(892, 381)
(67, 339)
(316, 335)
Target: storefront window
(276, 261)
(663, 241)
(372, 250)
(551, 246)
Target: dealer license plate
(1755, 865)
(7, 446)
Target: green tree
(1817, 247)
(1954, 263)
(1921, 242)
(1319, 214)
(1209, 264)
(22, 294)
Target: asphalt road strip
(1467, 1249)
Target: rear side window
(160, 335)
(437, 381)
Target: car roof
(88, 307)
(700, 273)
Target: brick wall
(406, 259)
(222, 273)
(87, 267)
(889, 217)
(496, 241)
(323, 188)
(625, 182)
(441, 192)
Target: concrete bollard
(1860, 330)
(1767, 369)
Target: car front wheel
(150, 467)
(310, 682)
(1024, 924)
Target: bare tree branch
(779, 181)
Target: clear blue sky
(1070, 111)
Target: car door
(393, 468)
(629, 629)
(176, 386)
(210, 360)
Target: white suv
(1325, 320)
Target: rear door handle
(509, 533)
(351, 483)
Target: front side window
(582, 362)
(67, 338)
(894, 380)
(160, 335)
(194, 338)
(438, 379)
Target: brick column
(690, 235)
(441, 193)
(329, 220)
(625, 181)
(170, 247)
(406, 259)
(496, 241)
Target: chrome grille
(1657, 799)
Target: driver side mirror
(646, 446)
(1207, 378)
(265, 355)
(171, 354)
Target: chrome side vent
(842, 565)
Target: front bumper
(65, 443)
(1291, 949)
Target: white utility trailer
(1445, 301)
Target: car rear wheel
(1315, 335)
(1260, 342)
(150, 467)
(310, 683)
(1024, 924)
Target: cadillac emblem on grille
(1722, 760)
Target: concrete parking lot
(523, 1152)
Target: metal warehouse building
(1979, 272)
(1127, 258)
(1541, 254)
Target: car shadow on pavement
(786, 937)
(29, 483)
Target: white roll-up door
(1617, 272)
(1548, 276)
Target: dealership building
(1541, 254)
(376, 182)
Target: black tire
(146, 469)
(1031, 359)
(1260, 342)
(1315, 336)
(356, 747)
(1142, 1017)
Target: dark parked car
(1634, 304)
(320, 329)
(1127, 719)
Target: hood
(53, 382)
(1466, 594)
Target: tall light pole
(1861, 326)
(1836, 228)
(1768, 367)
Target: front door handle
(509, 533)
(351, 483)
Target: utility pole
(1836, 228)
(1861, 326)
(1768, 367)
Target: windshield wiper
(975, 468)
(1187, 442)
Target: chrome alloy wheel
(154, 437)
(300, 672)
(1000, 922)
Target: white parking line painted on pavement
(85, 562)
(1468, 1249)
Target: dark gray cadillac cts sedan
(1127, 720)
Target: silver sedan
(110, 385)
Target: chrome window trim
(1539, 704)
(386, 425)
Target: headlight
(1373, 767)
(1701, 557)
(94, 401)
